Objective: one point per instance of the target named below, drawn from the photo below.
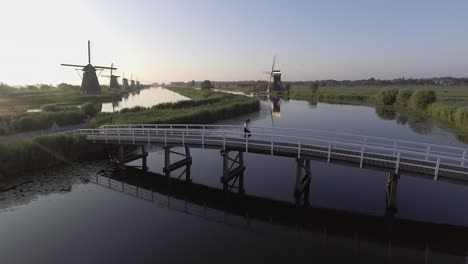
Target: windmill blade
(100, 72)
(77, 72)
(112, 66)
(89, 52)
(274, 61)
(106, 68)
(73, 65)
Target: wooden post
(225, 154)
(241, 176)
(167, 160)
(392, 190)
(144, 152)
(121, 155)
(188, 166)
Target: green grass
(21, 156)
(206, 107)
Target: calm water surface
(145, 98)
(92, 213)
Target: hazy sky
(234, 40)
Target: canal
(92, 213)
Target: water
(92, 213)
(144, 98)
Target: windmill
(89, 80)
(125, 82)
(137, 83)
(277, 85)
(132, 82)
(114, 84)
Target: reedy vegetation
(206, 107)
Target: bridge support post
(185, 162)
(392, 188)
(233, 171)
(144, 162)
(131, 154)
(303, 177)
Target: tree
(206, 85)
(193, 83)
(314, 86)
(287, 87)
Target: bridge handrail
(428, 147)
(203, 126)
(296, 140)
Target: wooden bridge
(394, 156)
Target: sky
(225, 40)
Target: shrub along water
(21, 156)
(213, 107)
(387, 96)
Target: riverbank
(61, 105)
(21, 156)
(205, 107)
(450, 105)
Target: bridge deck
(435, 164)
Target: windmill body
(90, 83)
(125, 83)
(114, 83)
(275, 75)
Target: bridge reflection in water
(392, 240)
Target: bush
(50, 108)
(387, 96)
(206, 85)
(422, 98)
(461, 116)
(90, 109)
(404, 96)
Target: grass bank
(22, 156)
(205, 107)
(448, 104)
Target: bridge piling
(231, 172)
(391, 198)
(170, 167)
(303, 176)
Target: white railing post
(272, 146)
(246, 144)
(463, 158)
(171, 129)
(329, 152)
(428, 149)
(436, 173)
(133, 136)
(105, 134)
(397, 165)
(183, 139)
(149, 139)
(224, 140)
(362, 157)
(299, 150)
(165, 138)
(94, 139)
(394, 147)
(118, 134)
(203, 137)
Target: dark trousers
(247, 132)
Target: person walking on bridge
(247, 132)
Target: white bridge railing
(432, 157)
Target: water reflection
(144, 98)
(412, 239)
(275, 105)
